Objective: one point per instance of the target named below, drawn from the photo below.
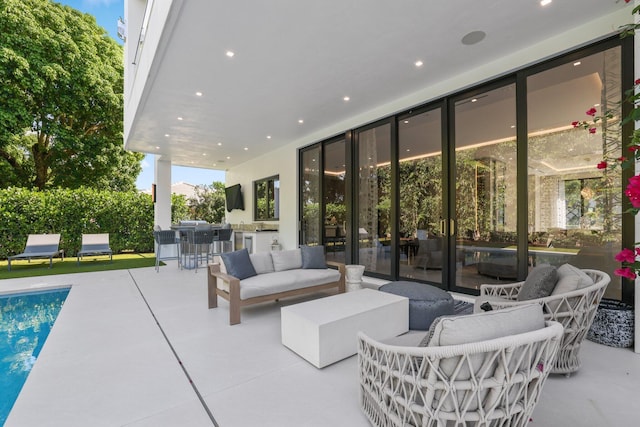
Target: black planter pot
(613, 324)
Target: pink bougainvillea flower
(634, 148)
(592, 130)
(625, 272)
(575, 124)
(637, 82)
(638, 251)
(633, 191)
(602, 165)
(621, 159)
(591, 112)
(626, 255)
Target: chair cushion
(571, 278)
(287, 260)
(539, 283)
(313, 257)
(262, 262)
(454, 330)
(238, 264)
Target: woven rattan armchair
(495, 382)
(575, 310)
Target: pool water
(25, 322)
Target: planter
(613, 324)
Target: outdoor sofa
(244, 279)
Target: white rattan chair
(495, 382)
(575, 310)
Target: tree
(61, 100)
(209, 203)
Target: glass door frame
(450, 222)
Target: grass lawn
(40, 267)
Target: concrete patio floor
(140, 348)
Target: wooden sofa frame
(233, 296)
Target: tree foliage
(209, 203)
(61, 100)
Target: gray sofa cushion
(238, 264)
(286, 260)
(282, 281)
(313, 257)
(539, 283)
(262, 262)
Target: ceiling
(297, 60)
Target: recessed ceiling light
(513, 126)
(198, 93)
(204, 154)
(301, 121)
(474, 100)
(473, 37)
(406, 122)
(268, 136)
(180, 118)
(166, 135)
(157, 148)
(575, 64)
(219, 144)
(246, 148)
(346, 98)
(228, 157)
(545, 2)
(408, 149)
(419, 63)
(596, 105)
(230, 54)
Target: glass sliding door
(575, 209)
(483, 226)
(420, 187)
(335, 207)
(373, 218)
(310, 186)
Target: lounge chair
(95, 244)
(40, 246)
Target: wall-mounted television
(233, 196)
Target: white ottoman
(324, 331)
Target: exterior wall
(283, 162)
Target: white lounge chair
(40, 246)
(573, 307)
(95, 244)
(485, 369)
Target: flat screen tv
(233, 197)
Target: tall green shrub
(126, 216)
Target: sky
(107, 13)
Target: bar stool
(223, 242)
(163, 238)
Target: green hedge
(126, 216)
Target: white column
(162, 180)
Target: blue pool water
(25, 322)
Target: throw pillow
(454, 330)
(238, 264)
(262, 262)
(571, 278)
(313, 257)
(539, 284)
(287, 260)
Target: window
(266, 199)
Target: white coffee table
(324, 331)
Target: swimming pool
(25, 322)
